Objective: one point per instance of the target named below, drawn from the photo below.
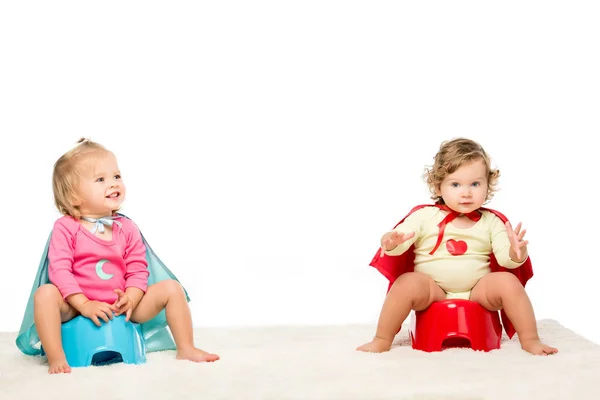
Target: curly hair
(452, 155)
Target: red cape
(393, 266)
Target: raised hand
(98, 309)
(123, 304)
(392, 239)
(518, 246)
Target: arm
(412, 223)
(78, 301)
(136, 274)
(60, 260)
(501, 246)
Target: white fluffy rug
(320, 363)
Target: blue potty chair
(115, 341)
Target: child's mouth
(113, 195)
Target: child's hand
(98, 309)
(124, 304)
(392, 239)
(518, 246)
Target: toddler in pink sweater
(97, 262)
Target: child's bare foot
(59, 367)
(537, 347)
(377, 345)
(196, 355)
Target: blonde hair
(452, 155)
(67, 174)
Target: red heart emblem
(456, 248)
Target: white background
(267, 145)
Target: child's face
(101, 189)
(465, 190)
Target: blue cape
(155, 331)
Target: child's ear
(438, 192)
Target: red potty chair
(455, 323)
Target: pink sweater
(80, 262)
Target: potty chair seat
(455, 323)
(86, 344)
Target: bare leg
(502, 290)
(411, 291)
(49, 311)
(169, 295)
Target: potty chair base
(86, 344)
(455, 323)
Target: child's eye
(475, 184)
(454, 184)
(100, 180)
(117, 176)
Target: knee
(172, 288)
(509, 284)
(415, 287)
(46, 294)
(406, 281)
